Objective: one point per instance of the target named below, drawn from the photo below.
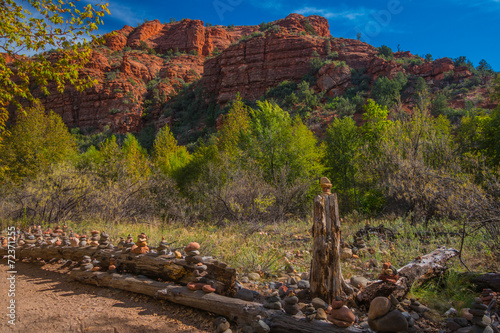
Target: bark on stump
(326, 277)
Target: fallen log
(416, 272)
(484, 281)
(236, 310)
(151, 265)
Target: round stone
(343, 314)
(244, 294)
(359, 281)
(303, 284)
(193, 246)
(379, 307)
(319, 303)
(254, 276)
(394, 321)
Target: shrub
(111, 76)
(385, 52)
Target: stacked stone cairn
(94, 239)
(58, 230)
(55, 239)
(389, 273)
(30, 240)
(104, 241)
(273, 301)
(129, 243)
(163, 248)
(141, 246)
(339, 314)
(487, 295)
(86, 264)
(74, 241)
(112, 265)
(222, 325)
(198, 280)
(291, 306)
(121, 243)
(383, 317)
(83, 241)
(481, 322)
(65, 240)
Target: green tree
(386, 91)
(167, 155)
(343, 142)
(439, 104)
(34, 26)
(134, 158)
(37, 141)
(276, 142)
(236, 126)
(376, 122)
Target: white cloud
(349, 14)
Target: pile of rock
(273, 301)
(94, 239)
(389, 273)
(487, 295)
(121, 243)
(83, 241)
(339, 314)
(199, 280)
(163, 247)
(193, 253)
(112, 265)
(141, 246)
(129, 242)
(382, 317)
(65, 240)
(86, 264)
(105, 242)
(481, 322)
(74, 241)
(30, 240)
(291, 306)
(222, 325)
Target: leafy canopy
(36, 26)
(38, 140)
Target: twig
(462, 246)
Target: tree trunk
(326, 277)
(417, 271)
(236, 310)
(151, 264)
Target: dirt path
(48, 301)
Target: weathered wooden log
(326, 277)
(150, 264)
(484, 281)
(416, 272)
(236, 310)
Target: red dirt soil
(48, 300)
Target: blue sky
(442, 28)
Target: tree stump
(326, 277)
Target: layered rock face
(141, 68)
(184, 36)
(254, 65)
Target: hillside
(183, 73)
